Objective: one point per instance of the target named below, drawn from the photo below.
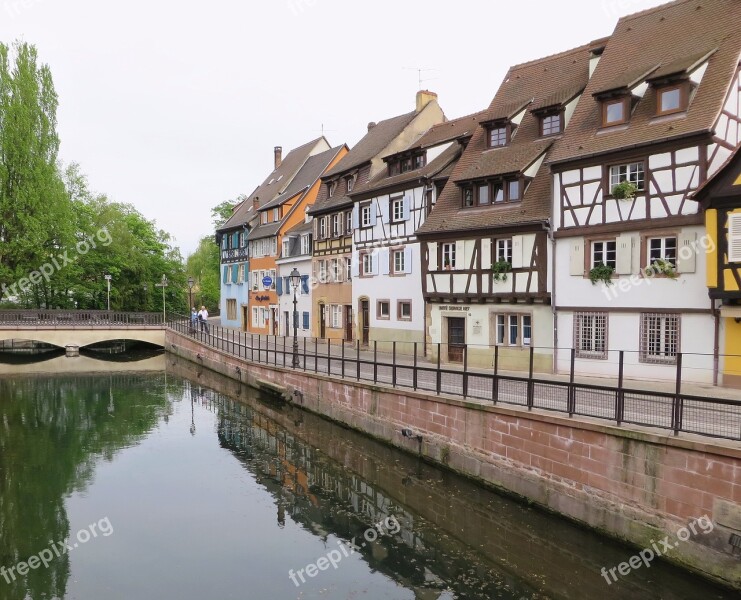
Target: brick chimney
(256, 203)
(424, 97)
(278, 155)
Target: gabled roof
(304, 180)
(377, 138)
(556, 78)
(449, 132)
(658, 41)
(312, 170)
(276, 182)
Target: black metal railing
(78, 318)
(674, 411)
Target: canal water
(178, 483)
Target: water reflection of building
(327, 499)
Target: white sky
(175, 106)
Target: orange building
(276, 217)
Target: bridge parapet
(73, 319)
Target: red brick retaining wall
(635, 484)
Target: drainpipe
(716, 341)
(549, 231)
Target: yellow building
(720, 198)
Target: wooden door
(456, 338)
(348, 323)
(322, 321)
(365, 313)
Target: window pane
(615, 112)
(498, 136)
(483, 194)
(500, 329)
(670, 100)
(514, 190)
(527, 330)
(513, 330)
(498, 193)
(468, 197)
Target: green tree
(221, 212)
(35, 212)
(203, 266)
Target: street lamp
(191, 283)
(163, 284)
(146, 287)
(295, 280)
(108, 281)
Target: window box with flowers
(661, 267)
(601, 272)
(625, 190)
(500, 269)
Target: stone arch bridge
(75, 329)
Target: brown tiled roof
(450, 130)
(274, 183)
(303, 227)
(507, 160)
(528, 84)
(339, 199)
(311, 170)
(684, 64)
(664, 36)
(372, 143)
(627, 80)
(430, 170)
(557, 99)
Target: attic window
(551, 124)
(672, 99)
(499, 136)
(349, 183)
(615, 111)
(330, 189)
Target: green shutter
(226, 274)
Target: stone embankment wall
(634, 484)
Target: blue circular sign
(267, 282)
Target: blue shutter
(226, 274)
(306, 320)
(305, 286)
(235, 273)
(280, 286)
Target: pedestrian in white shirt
(203, 318)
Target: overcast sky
(175, 106)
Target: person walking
(193, 320)
(203, 317)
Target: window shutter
(382, 256)
(408, 259)
(386, 208)
(376, 261)
(306, 320)
(460, 255)
(355, 265)
(517, 252)
(624, 261)
(339, 270)
(687, 252)
(373, 214)
(235, 273)
(355, 213)
(486, 259)
(576, 264)
(226, 274)
(432, 256)
(407, 206)
(280, 286)
(305, 286)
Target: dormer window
(551, 124)
(615, 111)
(492, 193)
(349, 183)
(419, 161)
(498, 136)
(330, 189)
(672, 99)
(407, 164)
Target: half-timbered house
(485, 246)
(266, 240)
(660, 115)
(333, 215)
(388, 210)
(720, 199)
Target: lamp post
(108, 281)
(191, 283)
(163, 284)
(295, 279)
